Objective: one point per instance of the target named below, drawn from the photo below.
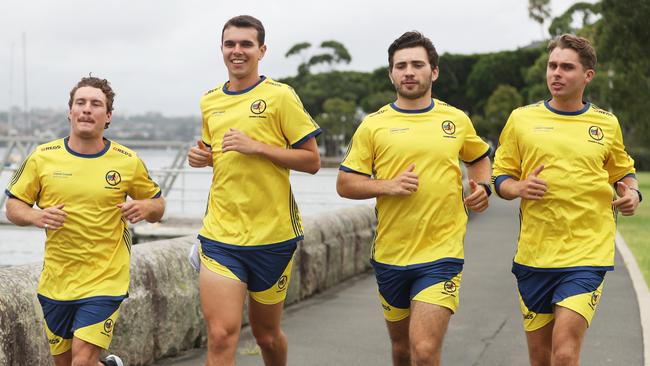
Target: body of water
(313, 193)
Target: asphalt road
(344, 326)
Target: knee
(401, 352)
(269, 340)
(424, 352)
(220, 338)
(565, 356)
(540, 359)
(83, 360)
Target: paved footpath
(344, 326)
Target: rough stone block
(162, 315)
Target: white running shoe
(193, 257)
(112, 360)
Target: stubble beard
(419, 92)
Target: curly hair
(101, 84)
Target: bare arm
(23, 214)
(305, 158)
(359, 187)
(479, 173)
(531, 188)
(150, 210)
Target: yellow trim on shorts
(445, 294)
(278, 292)
(391, 313)
(100, 334)
(532, 320)
(584, 304)
(216, 267)
(58, 345)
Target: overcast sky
(162, 55)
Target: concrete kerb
(161, 317)
(642, 293)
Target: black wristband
(639, 193)
(488, 190)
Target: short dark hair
(585, 50)
(101, 84)
(410, 40)
(246, 21)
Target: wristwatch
(488, 190)
(639, 193)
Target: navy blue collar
(563, 113)
(107, 145)
(413, 111)
(226, 91)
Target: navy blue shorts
(266, 269)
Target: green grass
(636, 229)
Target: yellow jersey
(251, 202)
(573, 225)
(428, 225)
(89, 256)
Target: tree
(564, 23)
(624, 45)
(539, 11)
(451, 85)
(499, 105)
(535, 78)
(338, 123)
(493, 69)
(336, 53)
(376, 100)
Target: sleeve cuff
(628, 175)
(304, 139)
(497, 180)
(487, 153)
(348, 170)
(11, 195)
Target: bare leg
(84, 353)
(540, 345)
(222, 301)
(568, 334)
(427, 330)
(265, 324)
(399, 338)
(64, 359)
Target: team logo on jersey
(282, 282)
(595, 297)
(113, 178)
(448, 127)
(596, 133)
(450, 286)
(108, 325)
(258, 106)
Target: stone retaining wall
(162, 317)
